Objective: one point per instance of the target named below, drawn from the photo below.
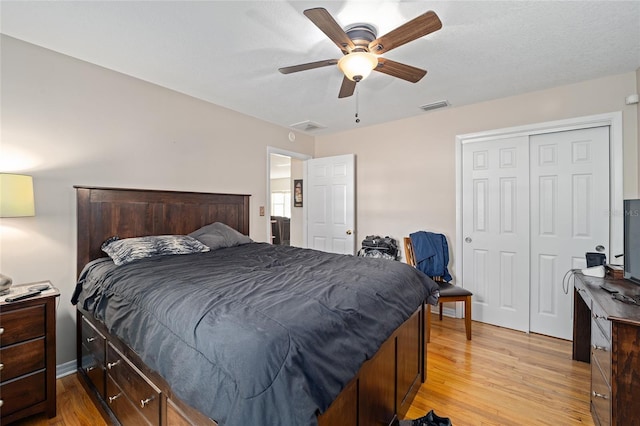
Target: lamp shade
(357, 66)
(16, 195)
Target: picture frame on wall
(297, 193)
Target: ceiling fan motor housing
(361, 34)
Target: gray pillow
(218, 235)
(130, 249)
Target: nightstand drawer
(22, 393)
(22, 324)
(22, 358)
(135, 386)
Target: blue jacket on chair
(432, 254)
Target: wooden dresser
(28, 356)
(606, 333)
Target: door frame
(267, 213)
(613, 120)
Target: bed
(278, 366)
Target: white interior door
(330, 198)
(569, 217)
(495, 228)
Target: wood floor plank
(501, 377)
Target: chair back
(411, 256)
(408, 252)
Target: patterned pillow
(130, 249)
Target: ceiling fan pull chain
(357, 98)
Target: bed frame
(128, 392)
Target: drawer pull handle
(110, 365)
(599, 348)
(1, 366)
(599, 395)
(113, 398)
(1, 403)
(91, 339)
(1, 332)
(145, 402)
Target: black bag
(376, 246)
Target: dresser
(28, 355)
(606, 333)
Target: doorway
(286, 222)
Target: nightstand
(28, 354)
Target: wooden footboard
(127, 392)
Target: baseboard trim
(66, 369)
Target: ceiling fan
(361, 48)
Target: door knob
(468, 240)
(349, 231)
(599, 248)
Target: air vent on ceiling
(435, 105)
(307, 126)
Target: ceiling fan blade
(308, 66)
(403, 71)
(347, 88)
(330, 27)
(418, 27)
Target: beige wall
(638, 121)
(406, 169)
(68, 122)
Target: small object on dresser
(22, 296)
(608, 289)
(39, 287)
(615, 271)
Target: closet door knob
(468, 240)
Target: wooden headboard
(105, 212)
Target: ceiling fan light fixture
(357, 66)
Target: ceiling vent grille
(307, 126)
(435, 105)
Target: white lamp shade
(357, 66)
(16, 195)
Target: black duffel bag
(377, 246)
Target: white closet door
(569, 217)
(495, 226)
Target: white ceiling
(229, 52)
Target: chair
(448, 292)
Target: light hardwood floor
(501, 377)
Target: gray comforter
(255, 334)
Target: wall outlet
(261, 210)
